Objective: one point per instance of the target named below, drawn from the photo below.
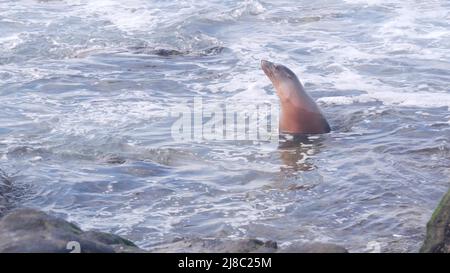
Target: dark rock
(438, 229)
(5, 189)
(215, 50)
(314, 248)
(118, 243)
(198, 245)
(29, 230)
(167, 52)
(112, 159)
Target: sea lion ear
(286, 71)
(289, 73)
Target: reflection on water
(295, 151)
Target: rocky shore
(197, 245)
(30, 230)
(438, 229)
(5, 189)
(27, 230)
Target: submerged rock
(3, 204)
(5, 189)
(438, 229)
(169, 52)
(315, 247)
(29, 230)
(198, 245)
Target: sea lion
(300, 115)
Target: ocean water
(86, 88)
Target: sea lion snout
(266, 64)
(268, 68)
(277, 72)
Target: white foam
(366, 2)
(422, 99)
(344, 100)
(11, 41)
(414, 26)
(128, 16)
(251, 7)
(375, 90)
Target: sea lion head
(282, 78)
(299, 112)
